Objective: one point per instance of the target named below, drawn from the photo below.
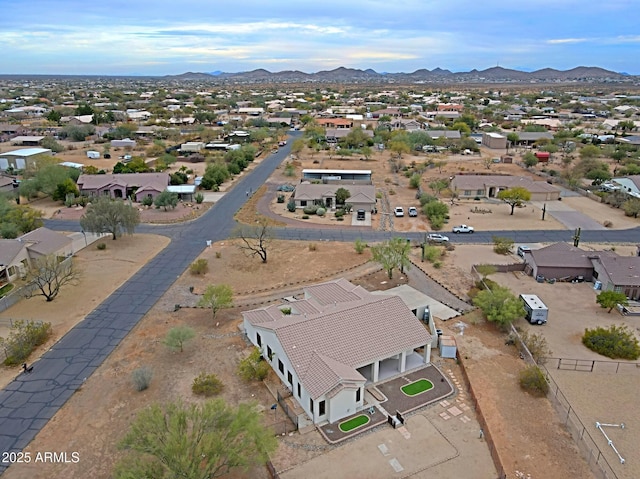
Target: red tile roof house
(124, 185)
(336, 340)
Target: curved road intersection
(31, 400)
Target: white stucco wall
(343, 404)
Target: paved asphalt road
(28, 403)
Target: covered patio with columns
(397, 364)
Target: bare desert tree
(49, 274)
(254, 240)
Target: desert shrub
(280, 198)
(321, 211)
(339, 214)
(291, 206)
(310, 210)
(392, 192)
(437, 264)
(432, 253)
(360, 246)
(141, 378)
(414, 181)
(305, 217)
(199, 266)
(101, 246)
(537, 346)
(341, 218)
(607, 224)
(437, 222)
(24, 337)
(253, 367)
(533, 381)
(616, 342)
(218, 254)
(207, 385)
(147, 201)
(313, 247)
(286, 311)
(502, 245)
(199, 197)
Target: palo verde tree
(610, 299)
(514, 196)
(499, 306)
(392, 254)
(110, 216)
(216, 297)
(254, 240)
(48, 275)
(166, 199)
(178, 336)
(197, 441)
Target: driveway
(569, 217)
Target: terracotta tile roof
(45, 241)
(622, 270)
(562, 255)
(350, 329)
(9, 249)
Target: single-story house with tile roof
(448, 134)
(362, 196)
(16, 255)
(333, 135)
(488, 186)
(561, 260)
(124, 185)
(530, 137)
(326, 347)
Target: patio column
(403, 361)
(427, 353)
(376, 371)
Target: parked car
(106, 155)
(398, 211)
(361, 215)
(522, 249)
(413, 211)
(437, 238)
(463, 229)
(282, 143)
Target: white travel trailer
(536, 311)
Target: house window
(321, 407)
(303, 202)
(269, 353)
(299, 391)
(358, 395)
(480, 192)
(467, 192)
(12, 270)
(290, 377)
(258, 339)
(311, 405)
(280, 366)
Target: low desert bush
(533, 381)
(615, 342)
(101, 246)
(199, 267)
(207, 385)
(360, 246)
(321, 211)
(141, 378)
(24, 337)
(253, 367)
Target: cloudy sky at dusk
(144, 37)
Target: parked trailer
(536, 311)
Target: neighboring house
(124, 143)
(561, 260)
(17, 255)
(19, 159)
(406, 124)
(488, 186)
(192, 146)
(333, 135)
(27, 140)
(334, 342)
(629, 140)
(124, 185)
(448, 134)
(494, 140)
(334, 176)
(282, 121)
(362, 196)
(528, 138)
(337, 123)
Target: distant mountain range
(352, 75)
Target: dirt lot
(102, 272)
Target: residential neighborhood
(335, 218)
